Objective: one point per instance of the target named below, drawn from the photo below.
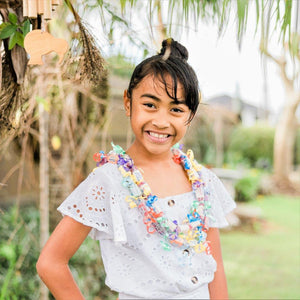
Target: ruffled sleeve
(94, 203)
(219, 198)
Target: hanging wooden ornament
(56, 2)
(40, 7)
(32, 9)
(47, 9)
(38, 43)
(25, 8)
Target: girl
(154, 209)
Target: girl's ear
(126, 103)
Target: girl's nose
(161, 122)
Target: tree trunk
(61, 171)
(285, 133)
(284, 142)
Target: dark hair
(172, 61)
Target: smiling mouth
(158, 137)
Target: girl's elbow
(47, 265)
(42, 266)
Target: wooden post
(44, 179)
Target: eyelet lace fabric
(135, 263)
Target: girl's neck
(144, 158)
(164, 176)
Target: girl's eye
(150, 105)
(177, 110)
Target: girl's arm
(52, 265)
(218, 287)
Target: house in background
(248, 114)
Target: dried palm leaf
(85, 54)
(10, 3)
(0, 65)
(11, 100)
(11, 88)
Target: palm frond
(242, 16)
(90, 63)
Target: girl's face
(156, 120)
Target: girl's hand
(52, 265)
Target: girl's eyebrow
(151, 96)
(159, 100)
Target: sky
(224, 69)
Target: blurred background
(54, 117)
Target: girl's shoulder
(208, 174)
(205, 173)
(108, 172)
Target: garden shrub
(201, 140)
(247, 188)
(19, 248)
(88, 271)
(120, 66)
(252, 145)
(19, 251)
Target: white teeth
(160, 136)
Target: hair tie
(168, 49)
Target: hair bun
(173, 48)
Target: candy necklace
(191, 234)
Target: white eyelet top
(135, 262)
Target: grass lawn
(266, 264)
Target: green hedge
(19, 251)
(247, 188)
(252, 146)
(19, 248)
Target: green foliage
(246, 189)
(19, 251)
(18, 254)
(200, 137)
(205, 144)
(15, 31)
(120, 66)
(268, 15)
(87, 269)
(252, 145)
(242, 14)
